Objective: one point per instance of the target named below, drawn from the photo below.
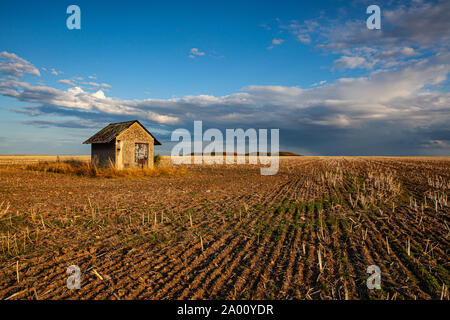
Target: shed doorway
(141, 155)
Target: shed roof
(112, 130)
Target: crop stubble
(309, 232)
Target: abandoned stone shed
(125, 144)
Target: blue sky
(311, 69)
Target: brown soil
(252, 236)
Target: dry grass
(25, 159)
(87, 169)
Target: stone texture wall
(125, 144)
(101, 153)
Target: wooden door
(141, 155)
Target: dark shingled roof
(112, 130)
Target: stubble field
(309, 232)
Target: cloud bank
(400, 107)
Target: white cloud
(67, 81)
(302, 31)
(195, 52)
(320, 83)
(99, 95)
(304, 38)
(351, 62)
(277, 41)
(92, 84)
(382, 94)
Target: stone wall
(125, 144)
(102, 153)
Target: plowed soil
(226, 232)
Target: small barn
(125, 144)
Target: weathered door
(141, 155)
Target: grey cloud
(409, 29)
(11, 64)
(67, 82)
(389, 111)
(62, 124)
(424, 25)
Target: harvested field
(17, 159)
(226, 232)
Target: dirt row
(309, 232)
